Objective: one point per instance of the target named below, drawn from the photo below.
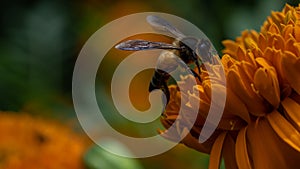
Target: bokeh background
(39, 44)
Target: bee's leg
(196, 75)
(195, 58)
(166, 91)
(198, 66)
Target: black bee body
(189, 49)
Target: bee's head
(188, 46)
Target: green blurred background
(40, 41)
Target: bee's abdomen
(158, 80)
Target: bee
(190, 50)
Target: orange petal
(230, 48)
(297, 48)
(292, 111)
(250, 58)
(270, 37)
(253, 103)
(231, 123)
(235, 106)
(254, 35)
(268, 55)
(276, 62)
(241, 151)
(216, 151)
(262, 42)
(287, 31)
(284, 130)
(229, 153)
(295, 97)
(278, 16)
(297, 32)
(165, 123)
(274, 29)
(278, 42)
(201, 93)
(247, 70)
(250, 43)
(257, 52)
(192, 142)
(203, 105)
(228, 122)
(265, 81)
(267, 150)
(287, 8)
(289, 45)
(241, 53)
(291, 69)
(227, 61)
(219, 90)
(289, 18)
(263, 62)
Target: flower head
(260, 126)
(28, 142)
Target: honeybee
(190, 50)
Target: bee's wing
(134, 45)
(162, 25)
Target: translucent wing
(134, 45)
(163, 25)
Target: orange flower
(31, 143)
(260, 126)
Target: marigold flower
(30, 143)
(260, 126)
